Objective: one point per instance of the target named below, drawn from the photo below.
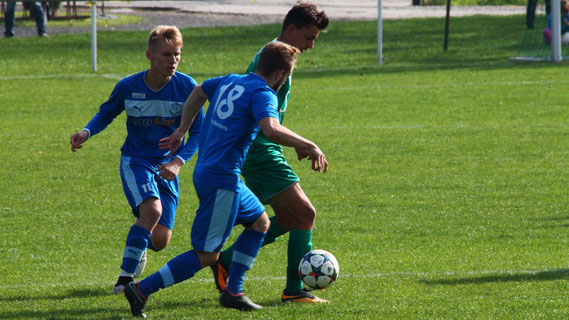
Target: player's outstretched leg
(179, 269)
(136, 300)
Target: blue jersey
(564, 27)
(237, 104)
(151, 116)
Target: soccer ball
(318, 269)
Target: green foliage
(445, 197)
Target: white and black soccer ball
(318, 269)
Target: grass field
(445, 199)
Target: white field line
(394, 274)
(420, 126)
(442, 85)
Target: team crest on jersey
(139, 95)
(175, 108)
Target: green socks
(299, 243)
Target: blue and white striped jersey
(151, 116)
(237, 104)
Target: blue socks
(246, 249)
(176, 270)
(187, 264)
(136, 243)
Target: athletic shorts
(268, 174)
(219, 211)
(140, 181)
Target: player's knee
(159, 243)
(307, 214)
(207, 258)
(149, 218)
(262, 224)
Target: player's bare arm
(282, 135)
(192, 106)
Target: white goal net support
(534, 46)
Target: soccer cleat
(136, 300)
(121, 284)
(302, 296)
(220, 276)
(141, 265)
(239, 302)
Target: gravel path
(211, 13)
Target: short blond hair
(171, 34)
(277, 56)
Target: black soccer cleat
(239, 302)
(121, 284)
(136, 300)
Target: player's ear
(291, 29)
(279, 74)
(278, 77)
(148, 54)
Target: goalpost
(533, 46)
(93, 35)
(379, 33)
(556, 31)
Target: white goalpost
(532, 47)
(379, 33)
(555, 31)
(93, 35)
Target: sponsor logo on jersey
(139, 95)
(148, 122)
(175, 108)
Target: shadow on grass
(82, 293)
(52, 306)
(66, 314)
(547, 275)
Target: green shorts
(267, 173)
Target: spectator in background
(547, 32)
(10, 18)
(530, 11)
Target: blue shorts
(140, 181)
(219, 211)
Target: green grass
(445, 197)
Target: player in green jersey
(271, 178)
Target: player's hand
(302, 153)
(172, 142)
(170, 170)
(77, 140)
(319, 162)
